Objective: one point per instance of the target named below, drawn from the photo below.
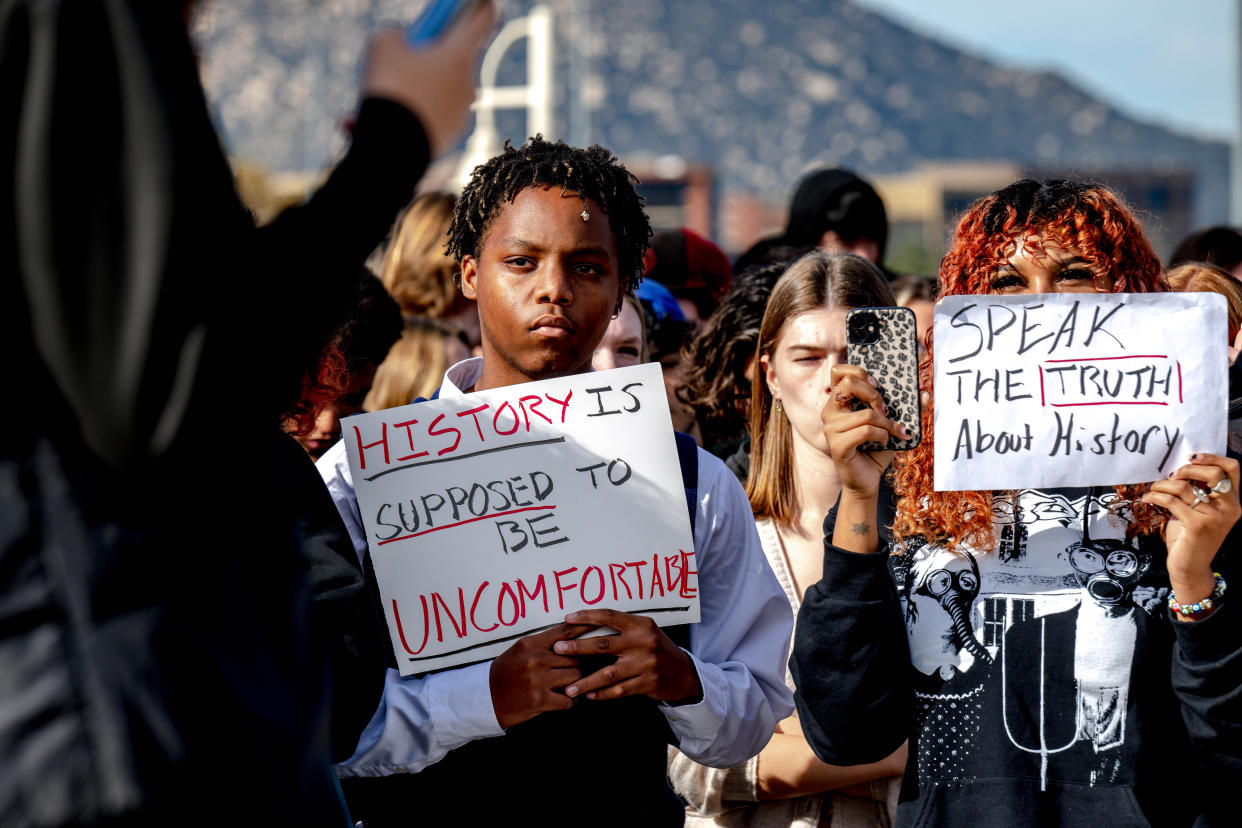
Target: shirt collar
(464, 375)
(461, 376)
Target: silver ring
(1225, 486)
(1201, 494)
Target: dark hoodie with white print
(1039, 682)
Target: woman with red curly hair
(1020, 639)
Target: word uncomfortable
(505, 605)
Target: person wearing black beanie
(837, 211)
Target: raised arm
(851, 660)
(1203, 537)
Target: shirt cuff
(696, 725)
(461, 709)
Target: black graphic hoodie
(1041, 682)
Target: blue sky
(1173, 63)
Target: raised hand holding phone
(438, 17)
(861, 427)
(436, 81)
(883, 342)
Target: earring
(777, 406)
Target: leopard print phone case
(883, 341)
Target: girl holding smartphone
(791, 486)
(1063, 656)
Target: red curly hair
(1098, 226)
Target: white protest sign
(1076, 389)
(493, 514)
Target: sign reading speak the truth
(491, 515)
(1076, 389)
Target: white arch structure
(536, 96)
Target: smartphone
(437, 18)
(884, 342)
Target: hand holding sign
(648, 662)
(1199, 524)
(529, 678)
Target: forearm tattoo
(861, 528)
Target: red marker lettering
(474, 412)
(671, 563)
(409, 435)
(500, 605)
(617, 570)
(582, 588)
(437, 602)
(540, 589)
(396, 614)
(533, 409)
(362, 449)
(512, 413)
(477, 595)
(564, 404)
(655, 576)
(638, 567)
(687, 591)
(561, 589)
(431, 429)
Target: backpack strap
(688, 457)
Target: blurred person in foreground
(153, 600)
(420, 275)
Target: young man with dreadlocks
(549, 238)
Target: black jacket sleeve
(344, 623)
(1207, 678)
(133, 281)
(851, 659)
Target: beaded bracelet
(1200, 606)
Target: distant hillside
(759, 90)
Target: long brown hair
(414, 367)
(814, 281)
(417, 272)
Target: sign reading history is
(1076, 389)
(492, 515)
